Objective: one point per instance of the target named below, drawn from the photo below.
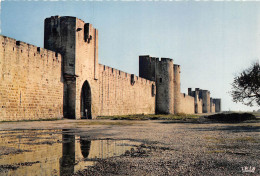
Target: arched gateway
(85, 101)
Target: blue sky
(212, 41)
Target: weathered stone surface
(111, 91)
(186, 104)
(31, 82)
(217, 102)
(66, 80)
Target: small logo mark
(249, 169)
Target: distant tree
(246, 86)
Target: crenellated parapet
(31, 81)
(25, 50)
(64, 79)
(121, 75)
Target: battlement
(155, 59)
(123, 75)
(205, 91)
(57, 17)
(149, 58)
(57, 24)
(22, 48)
(149, 66)
(209, 104)
(194, 94)
(64, 79)
(31, 81)
(163, 59)
(75, 40)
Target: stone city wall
(213, 108)
(122, 93)
(186, 104)
(39, 83)
(31, 82)
(113, 92)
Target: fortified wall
(186, 104)
(66, 80)
(203, 103)
(169, 99)
(91, 89)
(31, 82)
(122, 93)
(160, 71)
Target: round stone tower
(164, 85)
(177, 87)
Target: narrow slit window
(153, 90)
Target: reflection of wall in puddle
(56, 159)
(47, 155)
(86, 151)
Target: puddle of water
(53, 152)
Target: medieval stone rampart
(122, 93)
(161, 71)
(31, 82)
(199, 106)
(39, 83)
(212, 106)
(186, 104)
(92, 89)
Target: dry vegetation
(180, 116)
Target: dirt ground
(167, 147)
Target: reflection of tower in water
(67, 154)
(79, 153)
(67, 161)
(85, 147)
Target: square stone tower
(77, 42)
(217, 102)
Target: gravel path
(168, 147)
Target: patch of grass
(215, 139)
(246, 139)
(31, 120)
(103, 123)
(181, 116)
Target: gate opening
(85, 101)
